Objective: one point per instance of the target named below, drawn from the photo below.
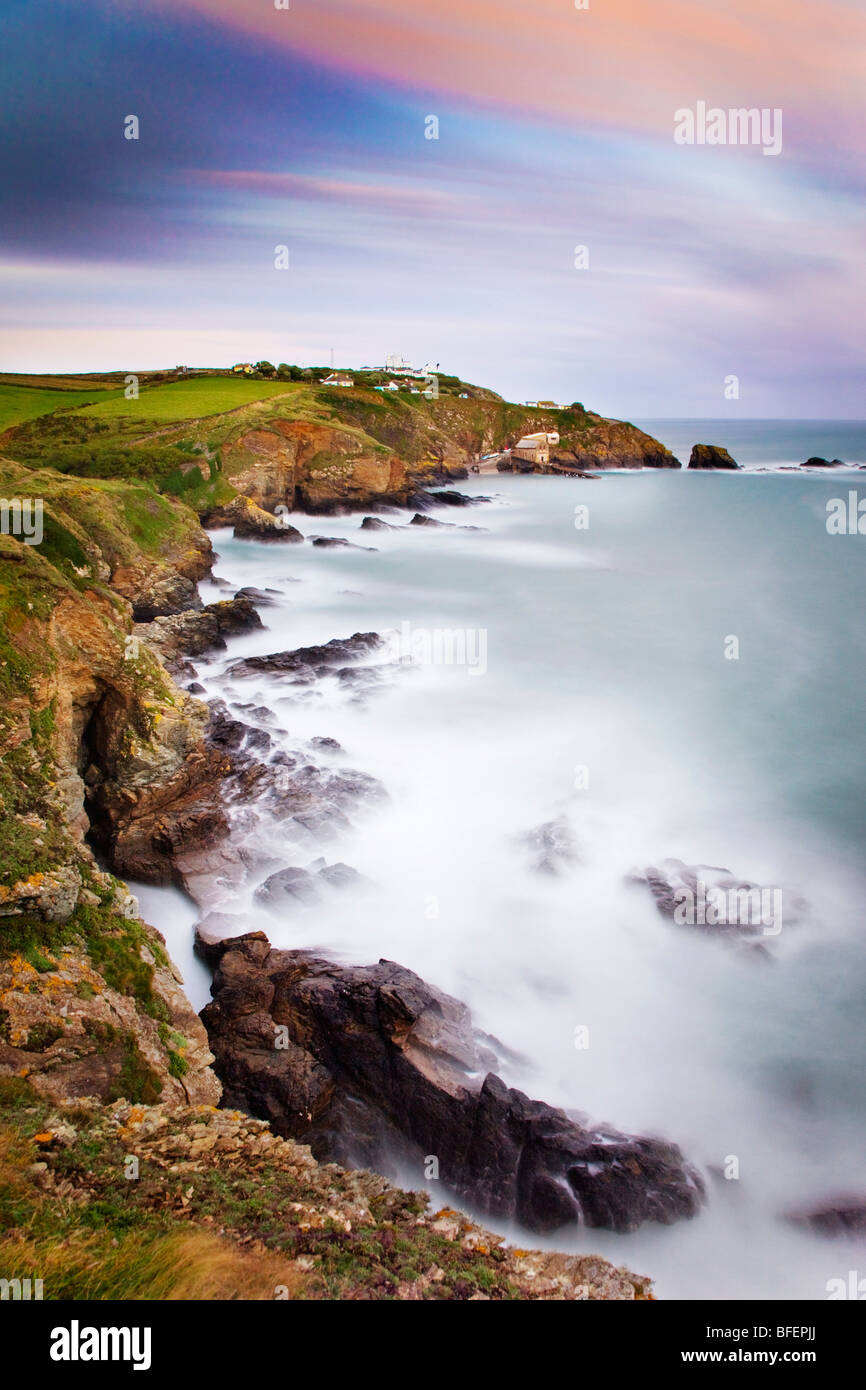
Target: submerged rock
(713, 901)
(822, 463)
(375, 1064)
(843, 1217)
(553, 845)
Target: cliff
(312, 448)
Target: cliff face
(89, 1001)
(382, 449)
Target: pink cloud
(625, 63)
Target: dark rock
(329, 745)
(310, 659)
(379, 1063)
(843, 1217)
(421, 501)
(263, 598)
(339, 542)
(445, 497)
(420, 520)
(711, 456)
(196, 688)
(822, 463)
(373, 523)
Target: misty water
(605, 697)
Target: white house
(335, 379)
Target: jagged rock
(373, 523)
(310, 661)
(263, 598)
(713, 901)
(420, 520)
(375, 1062)
(448, 498)
(194, 633)
(711, 456)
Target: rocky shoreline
(369, 1066)
(126, 763)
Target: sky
(308, 128)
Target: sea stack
(711, 456)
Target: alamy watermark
(741, 125)
(462, 646)
(22, 516)
(707, 905)
(846, 516)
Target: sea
(663, 665)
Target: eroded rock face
(73, 1035)
(52, 895)
(711, 456)
(367, 1063)
(312, 466)
(553, 846)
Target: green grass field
(19, 403)
(187, 400)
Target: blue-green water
(609, 697)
